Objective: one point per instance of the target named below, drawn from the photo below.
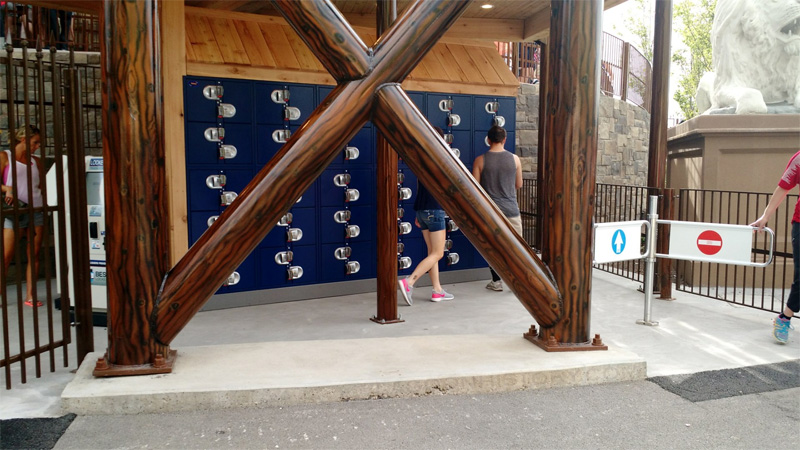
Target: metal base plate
(104, 369)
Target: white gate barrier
(692, 241)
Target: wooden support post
(298, 163)
(571, 154)
(657, 151)
(135, 188)
(544, 86)
(387, 204)
(465, 201)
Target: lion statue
(756, 58)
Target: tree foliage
(696, 18)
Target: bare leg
(434, 270)
(8, 246)
(435, 253)
(33, 260)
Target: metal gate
(42, 97)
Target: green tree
(639, 22)
(696, 18)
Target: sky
(614, 23)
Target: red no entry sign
(709, 242)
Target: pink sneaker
(439, 296)
(406, 290)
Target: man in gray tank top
(499, 172)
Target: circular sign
(709, 242)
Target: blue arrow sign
(618, 242)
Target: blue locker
(364, 141)
(462, 140)
(463, 247)
(266, 146)
(200, 151)
(411, 183)
(203, 198)
(462, 106)
(416, 250)
(200, 109)
(477, 259)
(247, 276)
(273, 275)
(484, 120)
(361, 179)
(198, 224)
(418, 98)
(300, 96)
(409, 216)
(333, 270)
(331, 232)
(303, 218)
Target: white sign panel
(618, 241)
(711, 242)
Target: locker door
(460, 105)
(204, 198)
(269, 112)
(274, 275)
(201, 151)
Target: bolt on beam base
(386, 322)
(160, 365)
(552, 345)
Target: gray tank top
(499, 179)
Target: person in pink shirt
(13, 188)
(790, 179)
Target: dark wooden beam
(297, 164)
(465, 201)
(136, 204)
(351, 60)
(657, 152)
(387, 201)
(571, 154)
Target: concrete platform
(327, 349)
(287, 373)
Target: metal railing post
(651, 262)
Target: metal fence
(624, 72)
(37, 91)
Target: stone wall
(623, 139)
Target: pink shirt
(22, 179)
(790, 179)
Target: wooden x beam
(364, 77)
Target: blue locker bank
(326, 244)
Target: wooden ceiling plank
(500, 68)
(435, 67)
(458, 63)
(476, 59)
(228, 41)
(280, 46)
(257, 49)
(190, 56)
(304, 55)
(202, 40)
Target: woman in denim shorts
(22, 162)
(430, 218)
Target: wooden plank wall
(239, 45)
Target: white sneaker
(439, 296)
(495, 285)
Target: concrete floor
(328, 349)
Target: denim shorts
(25, 220)
(431, 219)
